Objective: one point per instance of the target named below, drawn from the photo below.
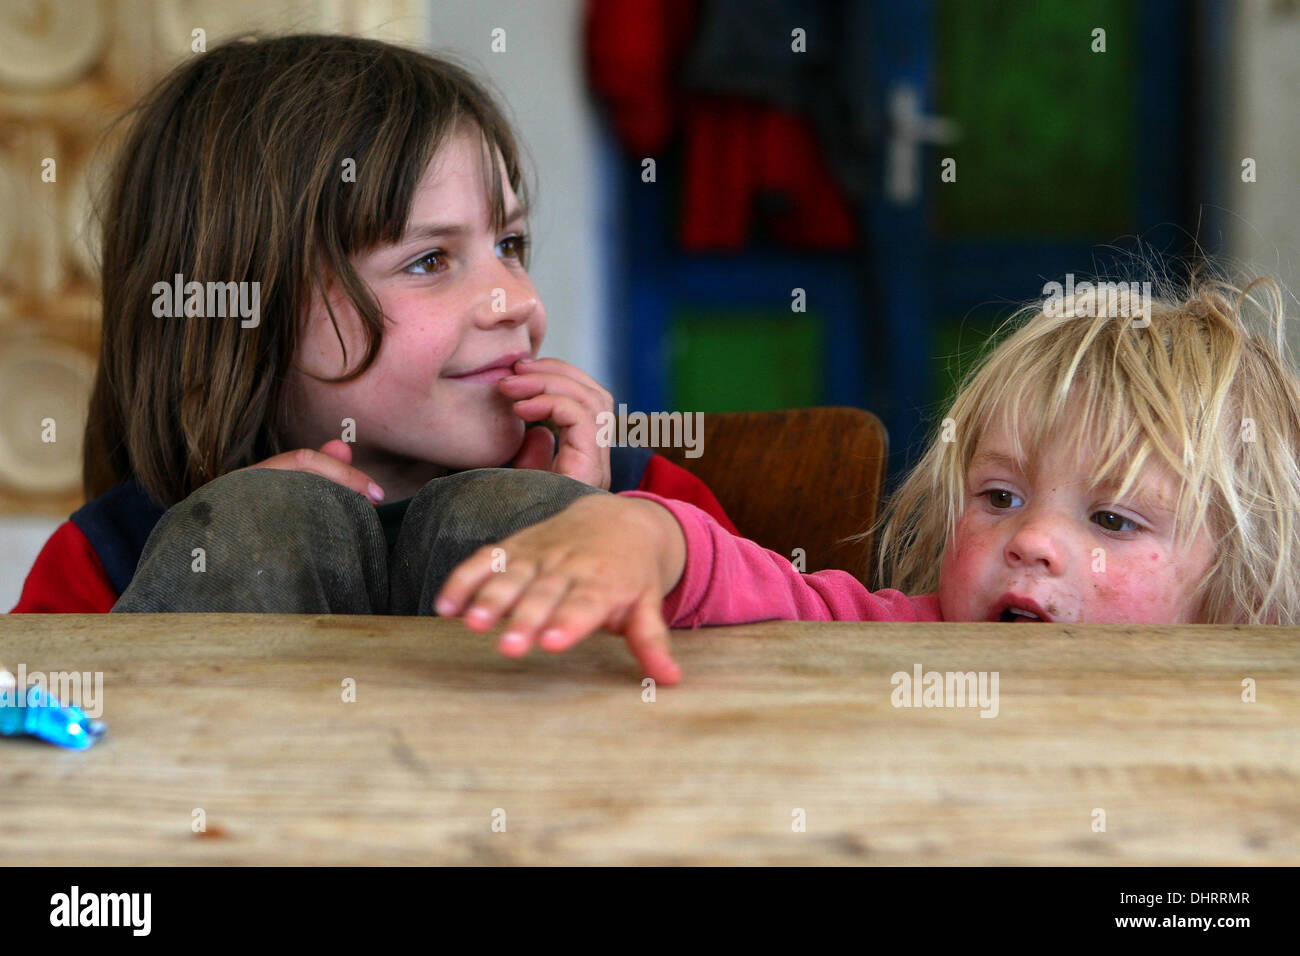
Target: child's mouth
(486, 376)
(493, 371)
(1016, 616)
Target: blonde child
(1093, 468)
(315, 300)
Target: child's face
(1042, 538)
(455, 303)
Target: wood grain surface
(243, 716)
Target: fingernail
(509, 378)
(512, 641)
(376, 492)
(525, 361)
(444, 607)
(552, 638)
(666, 666)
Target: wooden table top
(243, 717)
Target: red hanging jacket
(738, 153)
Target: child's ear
(324, 285)
(318, 352)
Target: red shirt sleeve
(67, 578)
(663, 478)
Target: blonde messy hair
(1196, 390)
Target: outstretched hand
(604, 561)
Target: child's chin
(481, 441)
(501, 443)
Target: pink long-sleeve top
(732, 580)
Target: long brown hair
(234, 171)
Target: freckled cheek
(966, 561)
(417, 355)
(1136, 591)
(425, 325)
(977, 544)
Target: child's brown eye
(516, 246)
(998, 497)
(426, 264)
(1109, 521)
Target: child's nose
(506, 302)
(1038, 540)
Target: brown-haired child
(316, 299)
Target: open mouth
(1016, 615)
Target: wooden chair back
(803, 478)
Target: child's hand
(604, 561)
(333, 461)
(568, 396)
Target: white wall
(21, 539)
(541, 78)
(1263, 221)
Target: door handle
(909, 130)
